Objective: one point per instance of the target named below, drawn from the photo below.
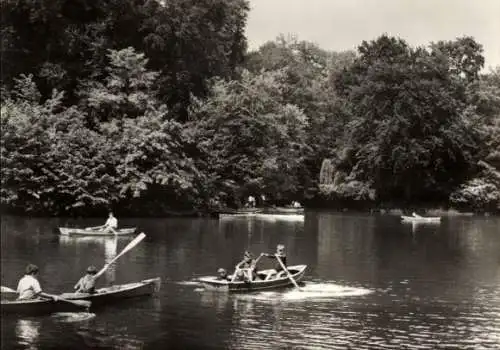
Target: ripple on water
(68, 317)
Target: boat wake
(315, 291)
(189, 283)
(318, 291)
(68, 317)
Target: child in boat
(222, 274)
(280, 253)
(29, 287)
(247, 266)
(86, 284)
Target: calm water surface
(372, 283)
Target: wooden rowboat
(263, 283)
(281, 217)
(102, 296)
(88, 232)
(37, 307)
(116, 293)
(240, 212)
(420, 219)
(284, 210)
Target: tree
(409, 121)
(127, 91)
(248, 139)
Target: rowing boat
(37, 306)
(284, 210)
(240, 212)
(281, 217)
(89, 232)
(264, 281)
(102, 296)
(116, 293)
(417, 219)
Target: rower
(29, 287)
(280, 253)
(111, 224)
(86, 284)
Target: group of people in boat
(246, 270)
(29, 286)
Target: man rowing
(29, 287)
(110, 226)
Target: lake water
(372, 283)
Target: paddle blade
(129, 246)
(7, 290)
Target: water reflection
(436, 288)
(109, 245)
(28, 332)
(110, 251)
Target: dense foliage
(151, 107)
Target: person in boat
(111, 224)
(86, 284)
(251, 201)
(29, 287)
(280, 253)
(222, 274)
(247, 267)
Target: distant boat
(284, 210)
(420, 219)
(281, 217)
(240, 212)
(89, 232)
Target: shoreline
(397, 211)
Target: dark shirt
(278, 267)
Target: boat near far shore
(239, 212)
(420, 219)
(284, 210)
(67, 231)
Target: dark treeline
(151, 107)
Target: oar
(129, 246)
(82, 303)
(7, 290)
(287, 272)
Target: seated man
(111, 224)
(86, 284)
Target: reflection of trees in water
(345, 244)
(110, 251)
(28, 332)
(114, 339)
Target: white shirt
(112, 222)
(28, 287)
